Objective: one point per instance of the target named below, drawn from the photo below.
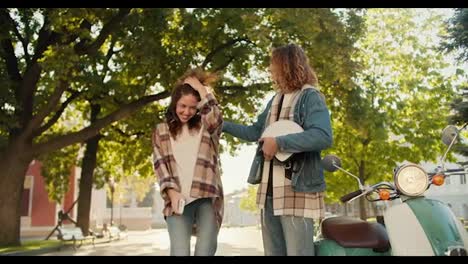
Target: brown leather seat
(355, 233)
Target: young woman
(290, 203)
(186, 162)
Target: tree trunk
(87, 175)
(86, 183)
(14, 163)
(16, 157)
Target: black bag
(291, 165)
(256, 170)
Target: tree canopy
(398, 108)
(70, 74)
(457, 37)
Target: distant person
(186, 162)
(290, 199)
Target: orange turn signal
(384, 194)
(438, 179)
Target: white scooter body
(407, 233)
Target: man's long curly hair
(292, 69)
(181, 89)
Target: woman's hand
(175, 196)
(197, 85)
(269, 148)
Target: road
(232, 241)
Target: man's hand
(269, 148)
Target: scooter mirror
(331, 162)
(448, 134)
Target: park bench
(112, 233)
(73, 234)
(116, 233)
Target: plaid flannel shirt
(285, 200)
(207, 179)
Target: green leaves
(457, 35)
(399, 106)
(109, 57)
(56, 169)
(247, 203)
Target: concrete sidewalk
(232, 241)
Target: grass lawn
(31, 245)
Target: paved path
(232, 241)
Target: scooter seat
(355, 233)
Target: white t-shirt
(185, 150)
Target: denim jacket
(312, 114)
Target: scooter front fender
(423, 227)
(440, 224)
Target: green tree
(400, 104)
(45, 55)
(234, 56)
(456, 41)
(248, 203)
(328, 37)
(457, 38)
(109, 63)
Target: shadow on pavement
(225, 249)
(231, 242)
(147, 249)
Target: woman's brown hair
(292, 69)
(181, 89)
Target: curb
(53, 248)
(34, 251)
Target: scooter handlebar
(350, 196)
(455, 170)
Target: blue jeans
(286, 235)
(200, 212)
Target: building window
(463, 179)
(25, 203)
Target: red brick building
(38, 213)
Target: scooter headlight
(411, 180)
